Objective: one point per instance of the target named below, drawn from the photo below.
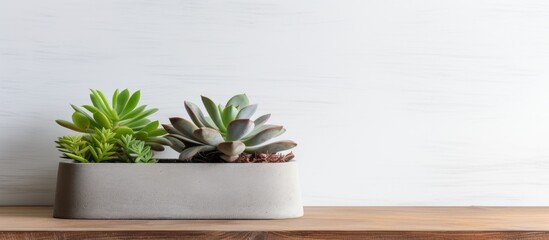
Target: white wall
(392, 102)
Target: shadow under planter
(178, 191)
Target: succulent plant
(227, 129)
(135, 150)
(74, 147)
(124, 117)
(102, 145)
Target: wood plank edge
(413, 235)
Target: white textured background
(392, 102)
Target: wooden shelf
(318, 223)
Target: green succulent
(227, 129)
(124, 117)
(103, 145)
(136, 151)
(74, 147)
(95, 147)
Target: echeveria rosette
(122, 115)
(227, 129)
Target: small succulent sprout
(122, 114)
(227, 129)
(135, 150)
(103, 145)
(74, 147)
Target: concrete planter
(178, 191)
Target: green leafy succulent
(228, 130)
(74, 147)
(103, 145)
(135, 151)
(124, 117)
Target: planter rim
(174, 163)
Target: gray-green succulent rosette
(227, 132)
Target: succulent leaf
(186, 140)
(129, 116)
(159, 140)
(139, 118)
(141, 135)
(157, 132)
(151, 126)
(145, 114)
(258, 129)
(210, 122)
(209, 136)
(80, 120)
(90, 108)
(265, 135)
(139, 124)
(273, 147)
(213, 111)
(184, 126)
(100, 103)
(155, 146)
(122, 101)
(115, 100)
(105, 103)
(247, 112)
(132, 103)
(231, 148)
(96, 102)
(262, 120)
(238, 129)
(123, 130)
(220, 109)
(70, 126)
(190, 152)
(239, 101)
(102, 119)
(229, 114)
(171, 130)
(176, 144)
(90, 118)
(196, 115)
(76, 157)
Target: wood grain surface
(424, 102)
(318, 223)
(316, 219)
(308, 235)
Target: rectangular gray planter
(178, 191)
